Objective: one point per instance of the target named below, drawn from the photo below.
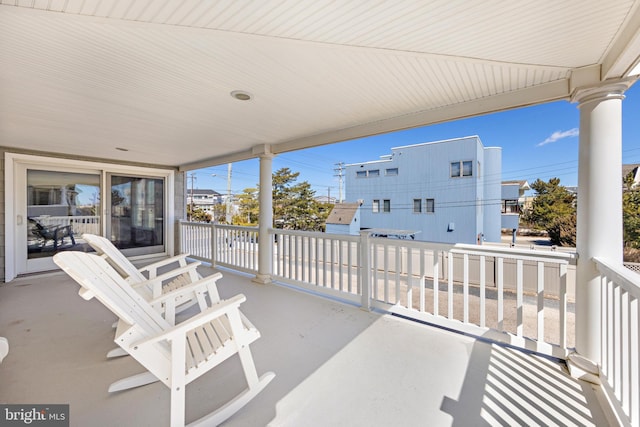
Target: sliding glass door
(53, 202)
(136, 220)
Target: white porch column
(265, 220)
(599, 228)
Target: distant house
(325, 199)
(344, 219)
(446, 191)
(634, 171)
(512, 204)
(204, 199)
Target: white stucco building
(447, 191)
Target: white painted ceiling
(84, 77)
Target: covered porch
(171, 87)
(335, 365)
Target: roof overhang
(91, 78)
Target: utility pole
(192, 177)
(228, 216)
(339, 169)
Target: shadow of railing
(506, 386)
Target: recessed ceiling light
(241, 95)
(121, 149)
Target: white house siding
(492, 205)
(424, 173)
(339, 229)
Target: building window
(510, 207)
(361, 174)
(391, 172)
(376, 206)
(386, 205)
(467, 168)
(430, 207)
(461, 169)
(374, 172)
(417, 205)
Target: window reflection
(61, 206)
(137, 211)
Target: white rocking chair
(175, 355)
(153, 286)
(4, 348)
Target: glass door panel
(137, 214)
(61, 206)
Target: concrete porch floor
(335, 365)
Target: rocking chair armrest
(199, 285)
(158, 280)
(152, 268)
(218, 310)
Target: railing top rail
(222, 226)
(195, 224)
(417, 244)
(316, 234)
(236, 227)
(552, 256)
(626, 278)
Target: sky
(537, 142)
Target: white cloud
(557, 135)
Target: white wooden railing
(79, 224)
(620, 339)
(523, 295)
(329, 263)
(516, 295)
(225, 245)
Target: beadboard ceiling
(87, 77)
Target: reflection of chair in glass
(55, 233)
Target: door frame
(16, 224)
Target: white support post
(365, 273)
(265, 221)
(599, 228)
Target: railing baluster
(304, 261)
(324, 262)
(397, 274)
(333, 263)
(540, 293)
(436, 284)
(519, 298)
(626, 358)
(617, 321)
(562, 305)
(500, 293)
(450, 288)
(634, 369)
(465, 285)
(409, 277)
(610, 328)
(483, 296)
(341, 245)
(423, 275)
(386, 272)
(349, 261)
(317, 258)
